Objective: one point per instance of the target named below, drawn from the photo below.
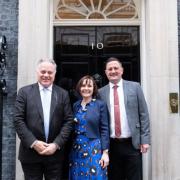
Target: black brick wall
(178, 6)
(9, 28)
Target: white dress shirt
(125, 130)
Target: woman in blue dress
(89, 155)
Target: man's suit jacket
(97, 121)
(30, 126)
(136, 110)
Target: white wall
(34, 37)
(162, 58)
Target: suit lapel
(38, 100)
(125, 89)
(107, 97)
(53, 101)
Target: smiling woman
(89, 154)
(87, 88)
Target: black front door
(83, 50)
(79, 51)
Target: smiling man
(43, 121)
(129, 123)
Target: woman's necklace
(84, 103)
(83, 106)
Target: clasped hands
(44, 148)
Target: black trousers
(125, 161)
(48, 170)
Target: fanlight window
(96, 9)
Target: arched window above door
(96, 9)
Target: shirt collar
(42, 87)
(119, 84)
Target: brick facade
(178, 6)
(9, 28)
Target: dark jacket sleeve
(25, 134)
(104, 125)
(67, 124)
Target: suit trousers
(125, 160)
(47, 170)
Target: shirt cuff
(32, 145)
(57, 146)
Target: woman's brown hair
(80, 83)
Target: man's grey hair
(47, 60)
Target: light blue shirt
(46, 104)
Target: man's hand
(50, 149)
(144, 148)
(40, 146)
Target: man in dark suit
(129, 123)
(43, 121)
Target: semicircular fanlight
(96, 9)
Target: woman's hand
(104, 162)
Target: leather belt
(121, 139)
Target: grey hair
(47, 60)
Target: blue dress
(86, 153)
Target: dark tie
(117, 112)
